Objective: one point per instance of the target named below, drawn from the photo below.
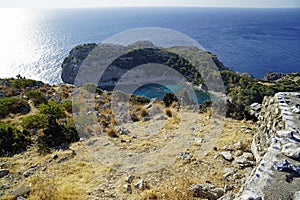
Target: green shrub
(67, 106)
(53, 108)
(35, 121)
(23, 83)
(207, 104)
(36, 97)
(169, 98)
(57, 134)
(13, 105)
(12, 140)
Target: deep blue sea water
(246, 40)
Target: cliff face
(72, 63)
(276, 147)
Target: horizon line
(153, 6)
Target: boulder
(226, 155)
(141, 185)
(129, 179)
(255, 109)
(127, 187)
(160, 117)
(228, 196)
(246, 159)
(3, 172)
(238, 145)
(284, 134)
(186, 156)
(206, 191)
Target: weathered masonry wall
(277, 141)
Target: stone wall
(276, 141)
(269, 121)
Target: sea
(34, 43)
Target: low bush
(111, 132)
(57, 134)
(36, 97)
(13, 105)
(169, 98)
(205, 106)
(35, 121)
(53, 108)
(12, 140)
(23, 83)
(67, 105)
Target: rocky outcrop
(276, 76)
(277, 141)
(273, 76)
(73, 61)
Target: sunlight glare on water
(16, 45)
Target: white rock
(238, 145)
(296, 196)
(198, 140)
(295, 110)
(148, 106)
(291, 150)
(227, 148)
(122, 131)
(127, 187)
(226, 155)
(228, 170)
(141, 185)
(284, 134)
(160, 117)
(129, 179)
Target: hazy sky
(123, 3)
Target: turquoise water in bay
(158, 91)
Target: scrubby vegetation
(13, 105)
(23, 83)
(49, 125)
(56, 134)
(36, 96)
(12, 140)
(243, 91)
(52, 108)
(37, 121)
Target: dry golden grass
(175, 188)
(143, 112)
(111, 132)
(53, 188)
(174, 104)
(75, 178)
(168, 112)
